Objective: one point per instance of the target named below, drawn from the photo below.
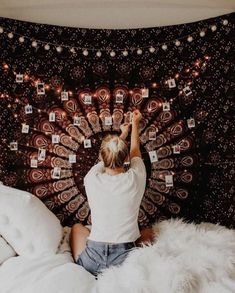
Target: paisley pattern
(189, 125)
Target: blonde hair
(113, 151)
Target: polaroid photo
(187, 91)
(171, 83)
(56, 173)
(166, 106)
(55, 138)
(33, 163)
(52, 116)
(176, 149)
(119, 98)
(77, 121)
(130, 117)
(14, 146)
(41, 154)
(25, 128)
(87, 99)
(152, 135)
(40, 88)
(19, 78)
(145, 93)
(87, 143)
(108, 120)
(28, 109)
(153, 156)
(169, 180)
(64, 96)
(72, 158)
(191, 123)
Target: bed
(35, 255)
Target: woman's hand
(124, 129)
(137, 116)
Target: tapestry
(63, 89)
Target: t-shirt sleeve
(98, 168)
(138, 166)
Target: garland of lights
(41, 88)
(124, 51)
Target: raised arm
(135, 140)
(124, 129)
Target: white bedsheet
(51, 274)
(186, 258)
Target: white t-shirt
(114, 201)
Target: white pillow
(27, 224)
(6, 251)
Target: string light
(47, 47)
(177, 43)
(34, 44)
(213, 28)
(190, 39)
(59, 49)
(85, 52)
(10, 35)
(225, 22)
(151, 48)
(72, 50)
(202, 34)
(21, 39)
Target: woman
(114, 197)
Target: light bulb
(10, 35)
(125, 53)
(59, 49)
(98, 54)
(177, 43)
(189, 39)
(225, 22)
(85, 52)
(47, 47)
(164, 47)
(21, 39)
(214, 28)
(34, 44)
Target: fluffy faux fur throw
(185, 258)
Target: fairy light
(47, 47)
(124, 51)
(154, 85)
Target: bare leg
(78, 237)
(147, 236)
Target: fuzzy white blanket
(185, 258)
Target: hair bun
(112, 145)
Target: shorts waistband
(92, 243)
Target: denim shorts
(98, 256)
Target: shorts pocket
(88, 261)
